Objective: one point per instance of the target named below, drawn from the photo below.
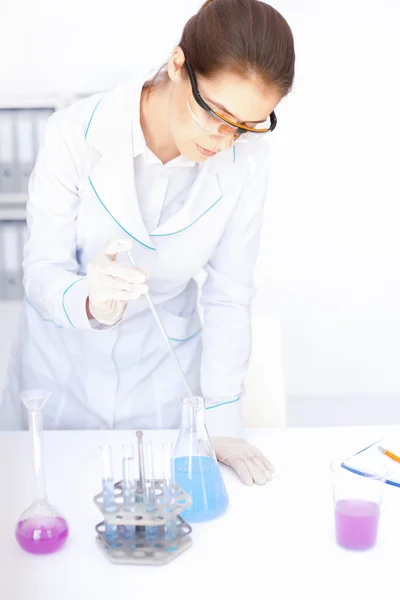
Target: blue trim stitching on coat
(223, 403)
(180, 230)
(38, 312)
(119, 224)
(90, 120)
(185, 339)
(63, 296)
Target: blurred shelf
(12, 215)
(13, 199)
(22, 101)
(13, 207)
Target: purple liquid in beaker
(41, 534)
(356, 523)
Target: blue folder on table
(362, 463)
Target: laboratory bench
(273, 542)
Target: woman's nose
(226, 142)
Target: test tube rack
(139, 551)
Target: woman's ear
(176, 63)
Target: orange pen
(389, 454)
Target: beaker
(196, 467)
(357, 502)
(41, 529)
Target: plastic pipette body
(165, 335)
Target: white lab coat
(82, 194)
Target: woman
(159, 169)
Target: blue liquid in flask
(200, 477)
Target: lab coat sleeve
(226, 298)
(52, 282)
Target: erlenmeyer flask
(41, 529)
(196, 467)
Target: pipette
(164, 334)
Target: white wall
(331, 248)
(330, 252)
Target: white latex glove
(111, 284)
(248, 462)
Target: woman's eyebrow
(229, 112)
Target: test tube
(149, 496)
(111, 532)
(170, 529)
(128, 487)
(139, 435)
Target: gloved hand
(248, 462)
(111, 284)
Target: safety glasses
(216, 124)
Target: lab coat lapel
(204, 194)
(112, 178)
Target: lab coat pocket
(60, 413)
(180, 328)
(65, 412)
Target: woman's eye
(210, 117)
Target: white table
(274, 542)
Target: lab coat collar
(110, 132)
(139, 142)
(113, 178)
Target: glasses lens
(264, 125)
(204, 119)
(225, 129)
(214, 125)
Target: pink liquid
(356, 523)
(42, 535)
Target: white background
(330, 255)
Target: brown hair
(247, 37)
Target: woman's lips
(204, 151)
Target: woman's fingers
(268, 464)
(261, 475)
(112, 283)
(239, 465)
(128, 274)
(125, 295)
(112, 248)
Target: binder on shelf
(11, 279)
(22, 128)
(3, 286)
(41, 120)
(25, 234)
(8, 168)
(13, 207)
(25, 147)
